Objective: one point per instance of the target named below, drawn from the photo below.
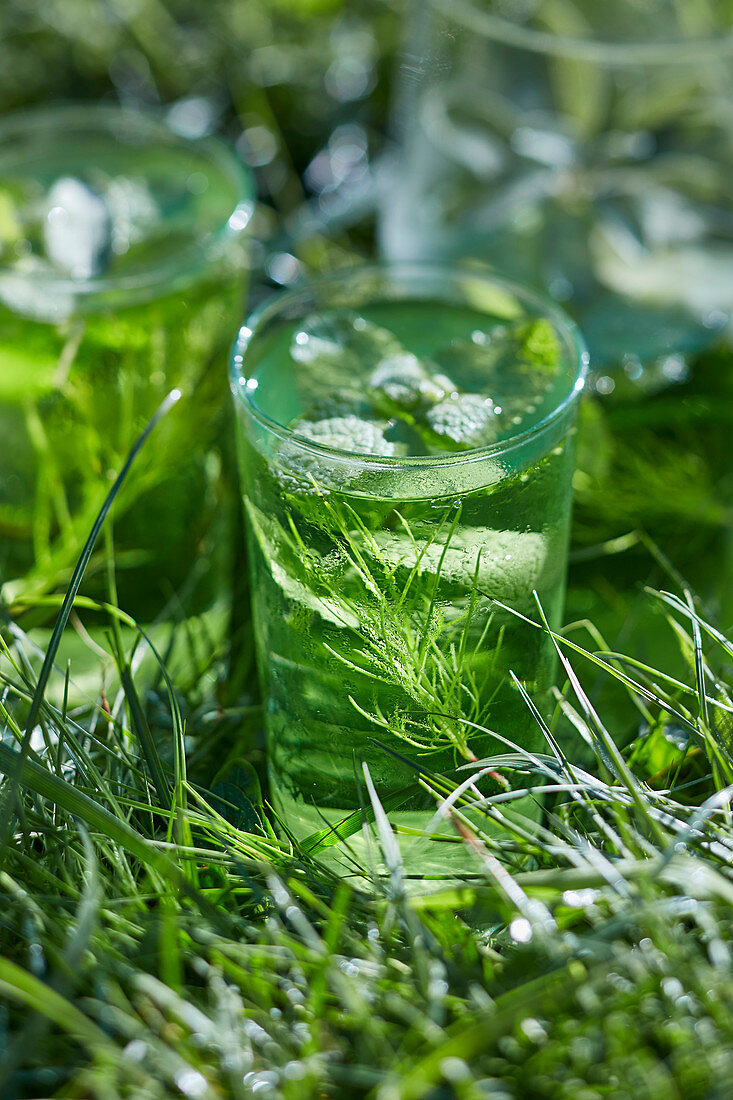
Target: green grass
(161, 938)
(158, 940)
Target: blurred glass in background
(583, 147)
(122, 266)
(300, 86)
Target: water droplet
(605, 384)
(520, 930)
(191, 1082)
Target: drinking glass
(388, 586)
(122, 269)
(585, 149)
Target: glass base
(438, 854)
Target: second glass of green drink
(406, 449)
(122, 269)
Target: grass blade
(48, 663)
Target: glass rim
(401, 271)
(620, 54)
(103, 119)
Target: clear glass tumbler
(406, 442)
(122, 270)
(586, 149)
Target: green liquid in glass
(373, 593)
(120, 280)
(73, 398)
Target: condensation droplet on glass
(191, 1083)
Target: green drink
(121, 270)
(406, 451)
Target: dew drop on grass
(191, 1082)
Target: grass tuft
(160, 940)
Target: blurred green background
(300, 86)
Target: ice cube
(467, 420)
(354, 367)
(319, 336)
(290, 571)
(132, 209)
(347, 433)
(506, 358)
(404, 379)
(303, 471)
(28, 289)
(77, 228)
(472, 362)
(510, 563)
(516, 364)
(337, 350)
